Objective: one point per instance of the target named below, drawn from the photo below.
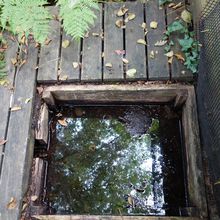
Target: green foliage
(26, 17)
(189, 45)
(163, 2)
(77, 16)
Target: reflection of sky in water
(98, 167)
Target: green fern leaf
(77, 16)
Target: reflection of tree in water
(99, 168)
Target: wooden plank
(149, 93)
(158, 68)
(20, 145)
(105, 217)
(49, 54)
(113, 40)
(68, 56)
(6, 93)
(42, 131)
(92, 51)
(178, 70)
(135, 53)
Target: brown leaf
(122, 11)
(170, 60)
(63, 122)
(2, 141)
(47, 41)
(14, 61)
(179, 57)
(119, 23)
(12, 203)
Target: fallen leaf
(169, 54)
(12, 203)
(130, 201)
(119, 23)
(2, 141)
(14, 61)
(179, 57)
(170, 60)
(217, 183)
(15, 108)
(153, 24)
(131, 72)
(59, 115)
(160, 43)
(131, 16)
(65, 43)
(108, 65)
(186, 16)
(177, 5)
(171, 5)
(25, 205)
(125, 61)
(152, 54)
(63, 78)
(120, 52)
(34, 198)
(144, 25)
(27, 100)
(75, 65)
(63, 122)
(142, 41)
(47, 41)
(79, 112)
(95, 34)
(122, 11)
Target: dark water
(116, 160)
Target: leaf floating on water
(153, 24)
(2, 141)
(160, 43)
(186, 16)
(65, 43)
(63, 122)
(142, 41)
(15, 108)
(125, 61)
(12, 203)
(131, 72)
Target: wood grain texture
(178, 70)
(135, 53)
(6, 93)
(19, 148)
(49, 54)
(90, 217)
(113, 41)
(68, 56)
(158, 68)
(92, 51)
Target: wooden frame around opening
(183, 96)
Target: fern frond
(26, 17)
(77, 16)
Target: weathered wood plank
(92, 51)
(68, 56)
(114, 93)
(6, 93)
(113, 41)
(92, 217)
(178, 70)
(158, 68)
(49, 54)
(19, 148)
(42, 131)
(135, 53)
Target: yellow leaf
(65, 43)
(109, 65)
(12, 203)
(142, 41)
(131, 16)
(179, 57)
(153, 24)
(169, 54)
(186, 16)
(119, 23)
(131, 72)
(122, 11)
(15, 108)
(125, 61)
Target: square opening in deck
(115, 158)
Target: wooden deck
(54, 64)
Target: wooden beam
(105, 217)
